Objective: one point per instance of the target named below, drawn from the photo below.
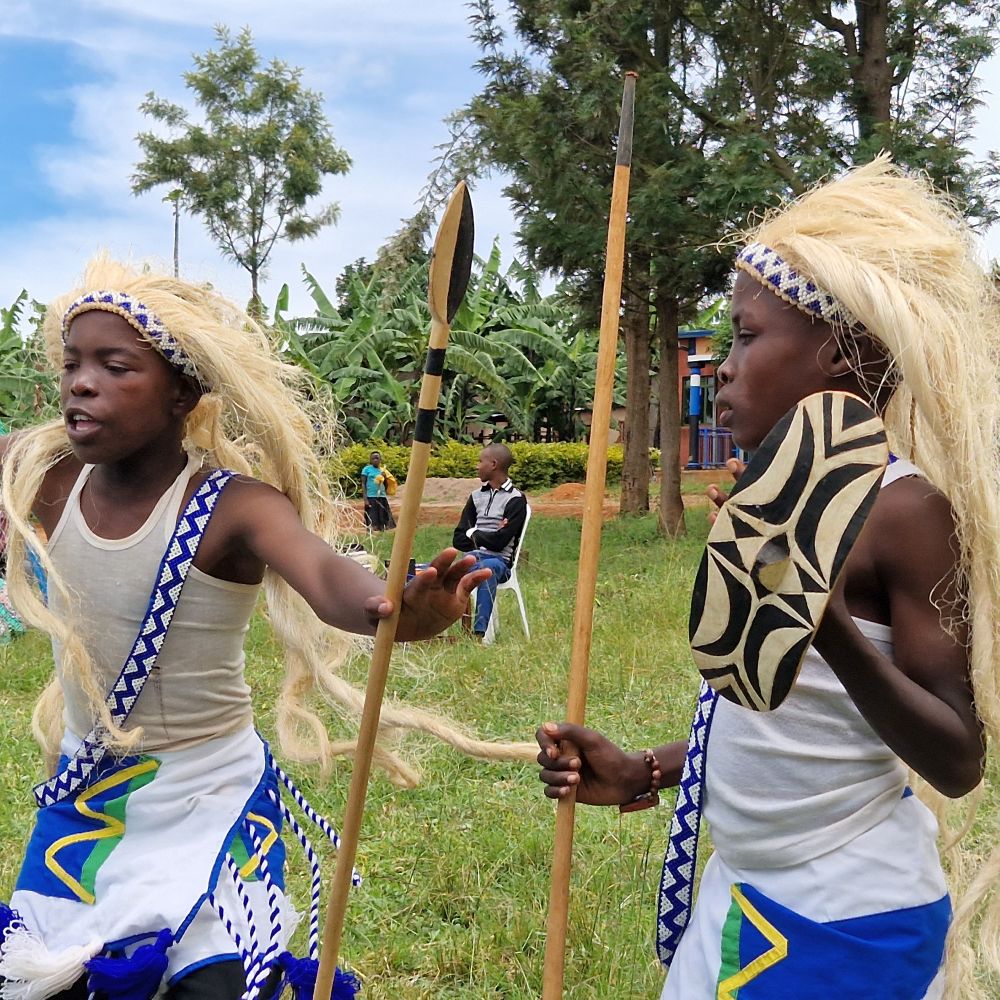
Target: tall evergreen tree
(740, 102)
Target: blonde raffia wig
(898, 259)
(260, 417)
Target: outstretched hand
(715, 495)
(600, 771)
(434, 599)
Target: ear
(187, 395)
(840, 355)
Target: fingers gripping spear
(590, 539)
(451, 265)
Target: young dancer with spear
(184, 461)
(826, 878)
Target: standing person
(378, 516)
(826, 878)
(490, 527)
(156, 861)
(11, 625)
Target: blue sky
(73, 72)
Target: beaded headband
(777, 275)
(140, 318)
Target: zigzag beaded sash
(677, 881)
(121, 699)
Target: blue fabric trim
(127, 942)
(891, 956)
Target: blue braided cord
(314, 868)
(251, 957)
(233, 932)
(274, 909)
(303, 803)
(125, 691)
(677, 881)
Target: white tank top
(196, 691)
(784, 787)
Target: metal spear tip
(451, 260)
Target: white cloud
(390, 71)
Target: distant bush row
(536, 466)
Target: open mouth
(80, 424)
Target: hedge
(536, 466)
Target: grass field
(457, 870)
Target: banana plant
(27, 391)
(371, 356)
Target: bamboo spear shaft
(590, 539)
(451, 265)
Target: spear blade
(451, 260)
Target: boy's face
(778, 358)
(376, 459)
(486, 467)
(119, 395)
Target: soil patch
(443, 499)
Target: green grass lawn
(457, 870)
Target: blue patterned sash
(677, 881)
(121, 699)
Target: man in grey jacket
(491, 525)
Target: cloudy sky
(73, 72)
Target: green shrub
(536, 466)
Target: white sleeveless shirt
(784, 787)
(196, 691)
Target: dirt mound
(565, 491)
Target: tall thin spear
(451, 265)
(590, 539)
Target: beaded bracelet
(651, 797)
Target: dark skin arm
(901, 572)
(919, 702)
(255, 525)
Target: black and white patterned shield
(779, 543)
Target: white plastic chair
(510, 584)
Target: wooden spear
(590, 539)
(451, 265)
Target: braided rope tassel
(252, 955)
(316, 877)
(315, 817)
(274, 908)
(234, 933)
(679, 863)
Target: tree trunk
(671, 515)
(635, 469)
(177, 235)
(873, 76)
(255, 308)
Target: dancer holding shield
(853, 651)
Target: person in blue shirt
(374, 475)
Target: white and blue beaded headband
(141, 318)
(778, 276)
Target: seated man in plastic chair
(491, 526)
